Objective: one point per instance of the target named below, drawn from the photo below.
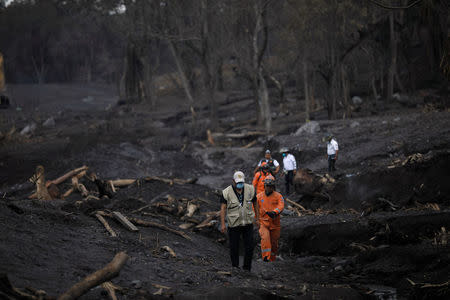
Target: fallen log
(110, 271)
(69, 175)
(160, 226)
(171, 181)
(241, 135)
(122, 182)
(124, 221)
(105, 223)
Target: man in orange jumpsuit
(258, 180)
(271, 204)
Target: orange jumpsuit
(258, 181)
(269, 229)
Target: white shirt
(275, 163)
(332, 147)
(289, 163)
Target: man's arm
(277, 167)
(335, 157)
(223, 208)
(295, 164)
(256, 207)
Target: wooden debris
(186, 226)
(150, 204)
(111, 289)
(191, 208)
(242, 135)
(105, 223)
(226, 273)
(361, 247)
(171, 181)
(69, 175)
(41, 189)
(54, 191)
(207, 221)
(170, 250)
(110, 271)
(79, 186)
(430, 290)
(441, 237)
(105, 187)
(160, 288)
(308, 182)
(124, 221)
(251, 144)
(8, 291)
(68, 192)
(295, 204)
(210, 137)
(122, 182)
(160, 226)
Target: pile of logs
(49, 190)
(307, 182)
(182, 208)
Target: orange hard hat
(264, 165)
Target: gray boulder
(50, 122)
(357, 100)
(309, 127)
(29, 129)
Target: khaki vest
(238, 215)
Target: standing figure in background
(271, 204)
(237, 203)
(332, 152)
(273, 164)
(289, 168)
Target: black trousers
(331, 162)
(288, 180)
(234, 234)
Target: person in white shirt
(289, 168)
(274, 166)
(332, 152)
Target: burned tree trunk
(134, 75)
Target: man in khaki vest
(237, 202)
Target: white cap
(239, 177)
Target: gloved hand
(271, 214)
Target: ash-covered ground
(381, 233)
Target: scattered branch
(110, 271)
